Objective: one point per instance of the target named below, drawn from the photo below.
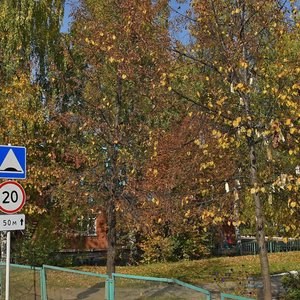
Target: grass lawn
(234, 270)
(204, 270)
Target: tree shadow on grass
(90, 291)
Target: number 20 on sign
(12, 197)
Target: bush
(157, 249)
(174, 248)
(39, 245)
(190, 247)
(291, 284)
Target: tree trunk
(111, 214)
(114, 186)
(260, 224)
(111, 237)
(237, 218)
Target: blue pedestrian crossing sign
(12, 162)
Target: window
(88, 225)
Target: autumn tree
(30, 54)
(232, 51)
(124, 54)
(176, 188)
(30, 34)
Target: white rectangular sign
(12, 222)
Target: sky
(70, 4)
(67, 18)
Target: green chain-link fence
(55, 283)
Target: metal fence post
(43, 284)
(1, 282)
(107, 289)
(208, 297)
(110, 289)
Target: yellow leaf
(221, 101)
(239, 86)
(124, 76)
(280, 96)
(187, 214)
(249, 132)
(293, 204)
(244, 64)
(270, 199)
(237, 122)
(236, 11)
(197, 142)
(288, 122)
(217, 219)
(292, 130)
(285, 240)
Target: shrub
(291, 284)
(173, 248)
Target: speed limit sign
(12, 197)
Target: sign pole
(7, 275)
(7, 265)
